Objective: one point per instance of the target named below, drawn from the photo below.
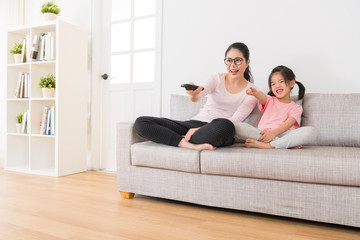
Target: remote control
(190, 87)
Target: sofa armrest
(125, 137)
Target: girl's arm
(244, 109)
(258, 94)
(269, 135)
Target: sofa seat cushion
(313, 164)
(150, 154)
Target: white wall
(318, 39)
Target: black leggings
(220, 132)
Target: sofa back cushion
(336, 116)
(181, 108)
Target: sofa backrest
(181, 108)
(336, 116)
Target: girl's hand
(193, 94)
(251, 91)
(267, 136)
(259, 95)
(190, 133)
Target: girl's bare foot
(204, 146)
(252, 143)
(297, 147)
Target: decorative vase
(18, 127)
(48, 93)
(17, 58)
(49, 16)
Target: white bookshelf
(65, 152)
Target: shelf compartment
(14, 108)
(17, 152)
(15, 36)
(37, 108)
(13, 73)
(45, 29)
(43, 155)
(39, 70)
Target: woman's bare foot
(204, 146)
(252, 143)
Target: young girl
(279, 126)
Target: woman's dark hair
(245, 51)
(288, 76)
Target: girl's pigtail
(301, 90)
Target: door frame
(96, 86)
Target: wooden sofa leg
(127, 195)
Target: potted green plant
(19, 122)
(47, 85)
(50, 9)
(16, 50)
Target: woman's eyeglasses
(238, 61)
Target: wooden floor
(88, 206)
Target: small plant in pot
(16, 50)
(50, 9)
(47, 85)
(19, 122)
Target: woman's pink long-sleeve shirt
(222, 104)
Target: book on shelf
(47, 124)
(47, 47)
(28, 48)
(23, 51)
(46, 50)
(24, 123)
(52, 123)
(47, 129)
(21, 92)
(17, 89)
(26, 84)
(22, 89)
(35, 47)
(43, 120)
(41, 47)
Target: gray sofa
(319, 182)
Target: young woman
(279, 127)
(227, 103)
